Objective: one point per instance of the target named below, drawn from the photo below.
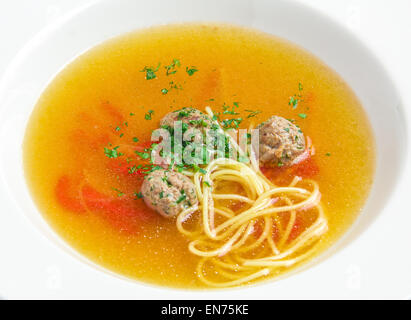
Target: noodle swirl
(237, 247)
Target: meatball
(280, 142)
(168, 192)
(192, 117)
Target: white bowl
(369, 262)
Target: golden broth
(103, 97)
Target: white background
(383, 25)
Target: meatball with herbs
(280, 142)
(168, 192)
(190, 117)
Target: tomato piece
(121, 213)
(296, 230)
(112, 112)
(68, 196)
(259, 228)
(209, 88)
(306, 169)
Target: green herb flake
(190, 71)
(151, 72)
(112, 153)
(253, 113)
(171, 68)
(132, 170)
(143, 155)
(293, 102)
(231, 123)
(119, 193)
(302, 115)
(138, 195)
(182, 198)
(148, 115)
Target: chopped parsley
(302, 115)
(190, 71)
(143, 155)
(138, 195)
(151, 72)
(227, 110)
(119, 193)
(132, 169)
(164, 91)
(112, 153)
(293, 102)
(253, 113)
(148, 115)
(181, 198)
(231, 123)
(171, 68)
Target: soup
(91, 167)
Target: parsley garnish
(252, 113)
(143, 155)
(231, 123)
(151, 72)
(138, 195)
(191, 71)
(112, 153)
(119, 193)
(147, 116)
(170, 69)
(182, 198)
(227, 111)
